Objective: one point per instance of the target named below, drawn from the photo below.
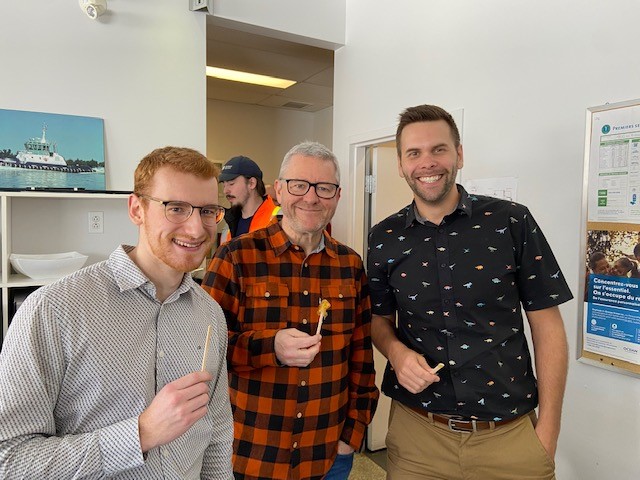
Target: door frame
(358, 144)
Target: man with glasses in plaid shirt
(301, 395)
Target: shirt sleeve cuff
(353, 433)
(263, 349)
(120, 447)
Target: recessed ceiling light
(253, 78)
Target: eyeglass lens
(179, 212)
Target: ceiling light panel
(245, 77)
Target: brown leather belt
(460, 424)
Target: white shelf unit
(55, 222)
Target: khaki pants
(418, 448)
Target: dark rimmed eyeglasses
(179, 212)
(300, 188)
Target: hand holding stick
(437, 367)
(206, 349)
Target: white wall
(263, 133)
(323, 127)
(524, 73)
(140, 67)
(318, 23)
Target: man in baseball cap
(251, 208)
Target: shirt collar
(463, 208)
(280, 242)
(128, 276)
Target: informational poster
(611, 246)
(612, 295)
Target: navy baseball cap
(237, 166)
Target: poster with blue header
(610, 313)
(612, 325)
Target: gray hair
(310, 149)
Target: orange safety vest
(266, 211)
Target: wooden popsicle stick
(437, 367)
(320, 318)
(206, 350)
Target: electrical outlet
(96, 222)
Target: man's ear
(253, 183)
(277, 186)
(136, 209)
(400, 172)
(460, 162)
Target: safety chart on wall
(614, 166)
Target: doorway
(385, 192)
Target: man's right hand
(295, 348)
(174, 410)
(412, 370)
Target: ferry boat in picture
(39, 154)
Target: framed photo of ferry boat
(51, 151)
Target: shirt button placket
(305, 303)
(161, 366)
(303, 397)
(447, 293)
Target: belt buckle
(452, 424)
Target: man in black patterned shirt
(457, 268)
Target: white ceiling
(311, 67)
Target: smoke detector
(93, 8)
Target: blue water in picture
(23, 178)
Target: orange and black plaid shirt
(288, 420)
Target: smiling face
(179, 246)
(429, 162)
(601, 267)
(621, 268)
(308, 214)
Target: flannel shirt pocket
(338, 326)
(265, 303)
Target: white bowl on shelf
(53, 265)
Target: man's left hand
(548, 439)
(344, 448)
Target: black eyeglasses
(300, 188)
(179, 212)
